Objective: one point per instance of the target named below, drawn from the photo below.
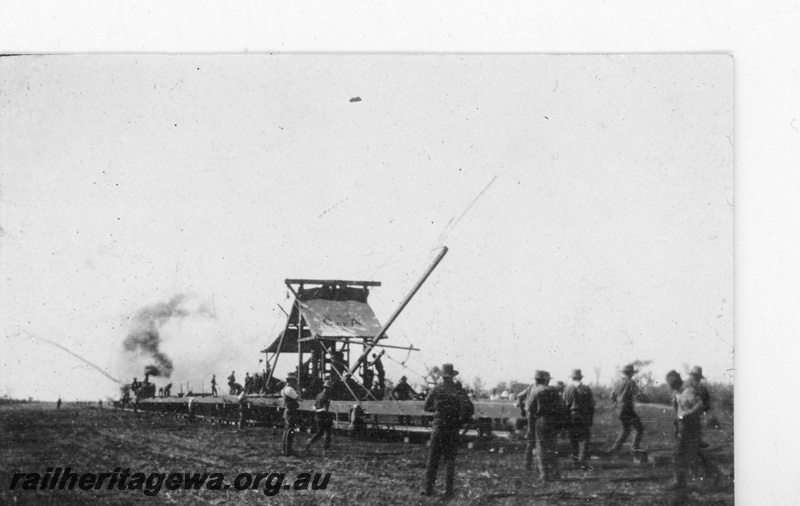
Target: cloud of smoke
(145, 338)
(152, 370)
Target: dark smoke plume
(144, 337)
(152, 370)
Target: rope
(402, 364)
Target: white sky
(605, 237)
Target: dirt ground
(36, 436)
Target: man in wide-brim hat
(695, 381)
(624, 393)
(323, 420)
(450, 410)
(544, 408)
(688, 410)
(580, 403)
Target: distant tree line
(651, 389)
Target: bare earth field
(36, 436)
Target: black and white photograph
(367, 279)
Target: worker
(450, 410)
(190, 409)
(545, 410)
(381, 372)
(701, 387)
(579, 402)
(358, 427)
(689, 408)
(243, 402)
(291, 403)
(624, 393)
(403, 392)
(214, 385)
(232, 383)
(322, 418)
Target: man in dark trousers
(580, 403)
(214, 385)
(545, 410)
(624, 392)
(689, 408)
(450, 409)
(291, 403)
(403, 392)
(232, 383)
(376, 361)
(321, 417)
(695, 381)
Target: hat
(541, 375)
(291, 376)
(448, 371)
(674, 379)
(403, 378)
(628, 369)
(327, 384)
(697, 372)
(576, 374)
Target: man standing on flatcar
(376, 361)
(291, 404)
(232, 383)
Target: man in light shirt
(624, 393)
(291, 404)
(689, 408)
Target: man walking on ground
(291, 405)
(624, 393)
(450, 408)
(321, 417)
(580, 403)
(545, 410)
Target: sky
(586, 201)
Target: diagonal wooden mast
(399, 310)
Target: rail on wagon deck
(490, 416)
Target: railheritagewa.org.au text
(151, 484)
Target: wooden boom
(399, 309)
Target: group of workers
(549, 411)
